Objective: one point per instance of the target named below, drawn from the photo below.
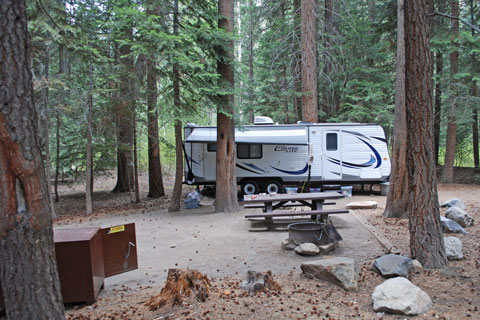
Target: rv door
(332, 159)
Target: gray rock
(459, 216)
(307, 249)
(453, 248)
(287, 245)
(450, 226)
(400, 296)
(453, 203)
(393, 265)
(327, 248)
(340, 271)
(361, 205)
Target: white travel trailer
(271, 156)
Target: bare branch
(457, 18)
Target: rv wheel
(273, 186)
(250, 187)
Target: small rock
(307, 249)
(450, 226)
(173, 245)
(453, 248)
(327, 248)
(416, 265)
(287, 245)
(340, 271)
(361, 205)
(459, 216)
(400, 296)
(453, 203)
(393, 265)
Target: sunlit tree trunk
(426, 238)
(309, 60)
(397, 200)
(476, 155)
(28, 271)
(447, 172)
(226, 184)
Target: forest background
(110, 74)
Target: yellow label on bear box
(116, 229)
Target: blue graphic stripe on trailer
(353, 165)
(246, 169)
(251, 165)
(377, 155)
(298, 172)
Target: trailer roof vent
(260, 120)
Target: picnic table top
(293, 197)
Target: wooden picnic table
(273, 202)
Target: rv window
(249, 151)
(211, 147)
(332, 142)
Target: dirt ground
(222, 247)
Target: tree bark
(397, 200)
(438, 105)
(89, 175)
(124, 113)
(46, 126)
(297, 61)
(426, 239)
(447, 172)
(309, 60)
(327, 107)
(476, 155)
(135, 161)
(155, 178)
(251, 95)
(226, 180)
(28, 270)
(177, 187)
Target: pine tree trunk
(297, 61)
(426, 239)
(135, 161)
(327, 107)
(27, 257)
(251, 114)
(451, 143)
(397, 200)
(226, 180)
(155, 178)
(476, 155)
(124, 114)
(177, 187)
(89, 183)
(438, 105)
(309, 60)
(46, 126)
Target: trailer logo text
(286, 149)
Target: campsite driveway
(220, 244)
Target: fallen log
(180, 285)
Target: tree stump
(180, 284)
(260, 282)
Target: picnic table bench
(270, 203)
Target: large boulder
(450, 226)
(400, 296)
(459, 216)
(307, 249)
(361, 205)
(393, 265)
(340, 271)
(453, 203)
(453, 248)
